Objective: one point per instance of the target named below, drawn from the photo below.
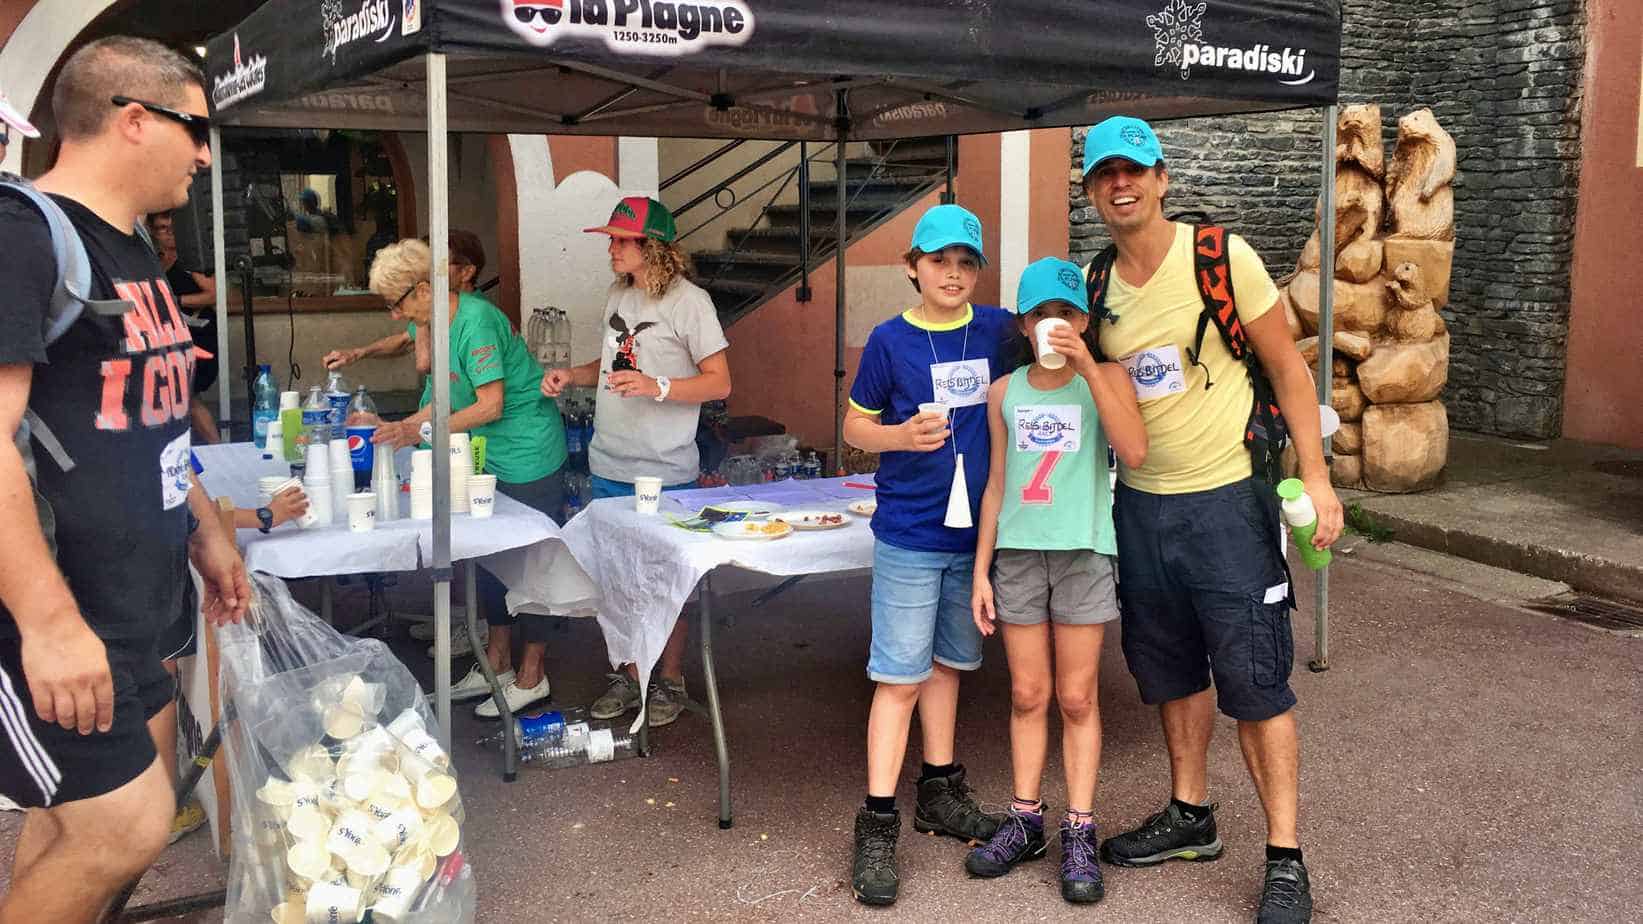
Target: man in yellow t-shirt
(1203, 586)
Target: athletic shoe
(474, 685)
(619, 697)
(1168, 835)
(1019, 838)
(189, 819)
(516, 696)
(1286, 898)
(460, 645)
(1080, 873)
(665, 702)
(873, 870)
(945, 806)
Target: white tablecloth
(516, 542)
(646, 567)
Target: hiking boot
(1168, 835)
(1286, 898)
(1019, 837)
(873, 870)
(619, 697)
(665, 702)
(1080, 873)
(946, 807)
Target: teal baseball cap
(1121, 136)
(945, 225)
(1051, 279)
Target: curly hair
(664, 262)
(397, 267)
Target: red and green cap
(639, 217)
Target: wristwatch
(664, 384)
(266, 518)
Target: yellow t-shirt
(1195, 437)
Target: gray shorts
(1071, 588)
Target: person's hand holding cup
(1045, 341)
(1067, 345)
(927, 431)
(289, 504)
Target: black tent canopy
(829, 70)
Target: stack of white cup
(342, 478)
(462, 465)
(385, 483)
(422, 484)
(317, 483)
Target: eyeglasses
(526, 13)
(197, 126)
(401, 300)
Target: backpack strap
(1096, 276)
(1212, 271)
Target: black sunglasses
(198, 127)
(526, 13)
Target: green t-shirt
(528, 441)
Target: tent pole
(840, 241)
(1326, 355)
(219, 263)
(439, 243)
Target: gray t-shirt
(671, 335)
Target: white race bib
(961, 384)
(174, 471)
(1048, 427)
(1156, 372)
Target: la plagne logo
(1178, 34)
(645, 27)
(246, 79)
(374, 19)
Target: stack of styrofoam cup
(462, 465)
(268, 484)
(422, 484)
(385, 483)
(342, 478)
(317, 483)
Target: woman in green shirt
(495, 393)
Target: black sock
(1192, 812)
(932, 771)
(880, 804)
(1283, 853)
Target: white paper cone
(958, 499)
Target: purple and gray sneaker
(1080, 873)
(1019, 837)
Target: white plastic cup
(406, 722)
(362, 512)
(275, 439)
(320, 505)
(422, 748)
(334, 904)
(934, 407)
(481, 496)
(422, 504)
(290, 400)
(399, 827)
(647, 493)
(1047, 356)
(391, 899)
(338, 449)
(462, 458)
(317, 460)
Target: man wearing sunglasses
(83, 698)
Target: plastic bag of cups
(345, 805)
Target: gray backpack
(70, 297)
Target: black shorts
(178, 639)
(42, 764)
(1203, 590)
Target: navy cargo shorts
(1203, 589)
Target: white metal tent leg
(439, 243)
(219, 261)
(1326, 355)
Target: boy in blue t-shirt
(944, 351)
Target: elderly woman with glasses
(467, 260)
(495, 393)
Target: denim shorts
(1203, 590)
(921, 614)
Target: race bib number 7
(1048, 427)
(1156, 372)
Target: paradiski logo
(1178, 37)
(645, 27)
(373, 20)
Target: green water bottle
(1302, 518)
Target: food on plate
(864, 507)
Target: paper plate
(753, 529)
(863, 508)
(811, 519)
(753, 509)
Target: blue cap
(947, 225)
(1121, 136)
(1051, 279)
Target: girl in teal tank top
(1044, 561)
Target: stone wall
(1503, 77)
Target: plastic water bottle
(812, 466)
(316, 417)
(337, 396)
(581, 745)
(265, 404)
(541, 729)
(1302, 518)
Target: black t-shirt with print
(115, 391)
